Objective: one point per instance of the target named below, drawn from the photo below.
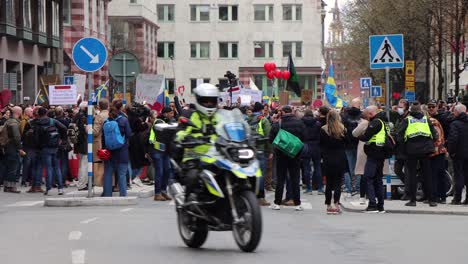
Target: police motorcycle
(215, 191)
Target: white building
(205, 38)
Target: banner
(150, 89)
(62, 94)
(80, 82)
(242, 95)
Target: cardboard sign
(149, 87)
(306, 96)
(62, 94)
(284, 98)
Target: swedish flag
(101, 92)
(331, 94)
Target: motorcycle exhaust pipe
(177, 192)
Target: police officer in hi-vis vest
(417, 136)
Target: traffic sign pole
(124, 73)
(387, 92)
(90, 135)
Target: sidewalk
(398, 207)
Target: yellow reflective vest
(379, 138)
(417, 127)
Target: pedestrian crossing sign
(366, 83)
(376, 91)
(386, 51)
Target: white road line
(126, 210)
(25, 203)
(87, 221)
(78, 256)
(74, 235)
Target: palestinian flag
(293, 82)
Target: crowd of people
(344, 150)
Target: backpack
(73, 133)
(29, 137)
(48, 136)
(4, 135)
(112, 135)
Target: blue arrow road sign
(410, 96)
(89, 54)
(376, 91)
(386, 51)
(366, 83)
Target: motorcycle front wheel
(248, 231)
(192, 230)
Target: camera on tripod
(230, 76)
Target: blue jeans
(373, 172)
(30, 171)
(120, 170)
(50, 161)
(64, 166)
(163, 172)
(317, 173)
(351, 156)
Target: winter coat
(439, 142)
(62, 130)
(291, 124)
(361, 155)
(311, 137)
(457, 141)
(414, 147)
(97, 132)
(400, 153)
(81, 147)
(333, 151)
(375, 125)
(14, 136)
(350, 120)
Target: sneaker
(455, 202)
(275, 207)
(299, 208)
(137, 181)
(443, 201)
(371, 210)
(60, 192)
(263, 202)
(382, 211)
(159, 198)
(46, 193)
(432, 204)
(308, 191)
(362, 201)
(331, 211)
(320, 192)
(410, 203)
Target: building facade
(205, 38)
(30, 45)
(84, 18)
(134, 28)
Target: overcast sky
(329, 17)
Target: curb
(146, 193)
(96, 201)
(407, 211)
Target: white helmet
(206, 96)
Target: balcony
(133, 10)
(7, 28)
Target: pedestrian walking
(457, 144)
(332, 146)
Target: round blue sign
(89, 54)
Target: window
(199, 13)
(66, 12)
(42, 16)
(133, 1)
(228, 50)
(55, 19)
(86, 14)
(228, 13)
(263, 12)
(294, 47)
(94, 14)
(27, 13)
(200, 50)
(170, 84)
(263, 49)
(292, 12)
(165, 50)
(193, 83)
(10, 11)
(165, 13)
(102, 26)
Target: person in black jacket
(457, 144)
(417, 136)
(285, 164)
(311, 144)
(400, 155)
(373, 171)
(350, 121)
(81, 147)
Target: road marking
(74, 235)
(126, 210)
(87, 221)
(25, 203)
(78, 256)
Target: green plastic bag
(288, 143)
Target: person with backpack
(261, 127)
(81, 145)
(11, 148)
(49, 134)
(31, 159)
(115, 138)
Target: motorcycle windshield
(231, 125)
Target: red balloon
(277, 74)
(266, 66)
(271, 75)
(272, 66)
(286, 75)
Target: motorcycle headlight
(242, 154)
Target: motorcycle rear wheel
(193, 236)
(247, 233)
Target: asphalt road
(147, 233)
